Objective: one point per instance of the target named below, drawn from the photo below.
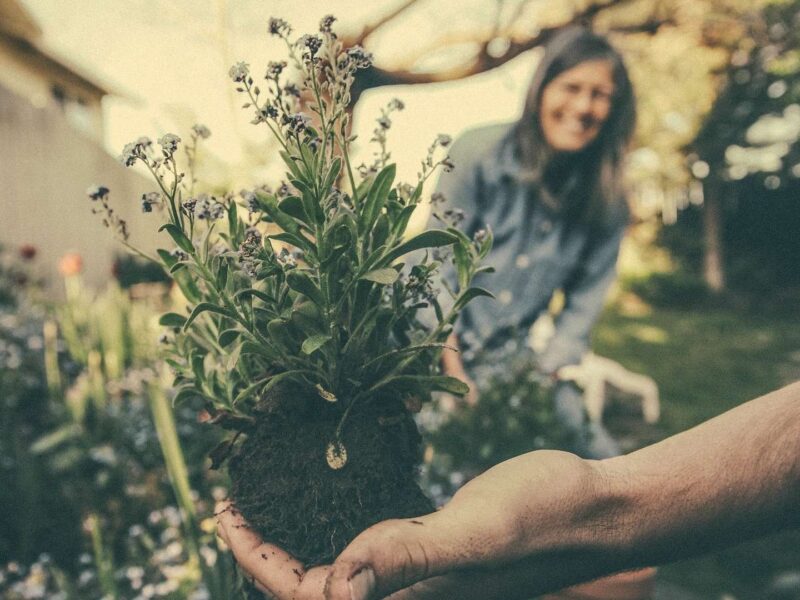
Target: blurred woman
(550, 188)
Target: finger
(275, 570)
(394, 555)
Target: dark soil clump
(284, 488)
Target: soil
(284, 488)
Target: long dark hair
(591, 179)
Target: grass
(706, 361)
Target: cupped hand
(487, 542)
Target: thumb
(389, 556)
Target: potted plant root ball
(303, 330)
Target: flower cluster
(149, 200)
(207, 207)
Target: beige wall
(45, 169)
(31, 75)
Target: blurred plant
(514, 416)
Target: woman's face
(575, 104)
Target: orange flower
(70, 264)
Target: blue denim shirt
(534, 252)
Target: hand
(489, 542)
(474, 548)
(270, 569)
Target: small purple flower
(275, 68)
(239, 72)
(169, 143)
(326, 23)
(97, 192)
(130, 153)
(201, 131)
(279, 27)
(360, 58)
(148, 200)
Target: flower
(70, 264)
(296, 122)
(359, 57)
(326, 23)
(148, 200)
(396, 104)
(239, 71)
(130, 153)
(250, 199)
(208, 207)
(312, 42)
(201, 131)
(443, 140)
(169, 143)
(275, 68)
(385, 122)
(96, 192)
(27, 251)
(279, 27)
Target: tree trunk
(713, 259)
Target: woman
(550, 188)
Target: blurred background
(104, 486)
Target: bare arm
(546, 520)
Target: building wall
(35, 77)
(46, 167)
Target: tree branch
(371, 28)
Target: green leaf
(222, 274)
(204, 307)
(433, 238)
(299, 281)
(172, 319)
(177, 267)
(376, 198)
(228, 336)
(184, 243)
(293, 206)
(166, 257)
(385, 276)
(255, 293)
(295, 240)
(333, 173)
(233, 220)
(56, 438)
(184, 393)
(285, 221)
(430, 383)
(469, 295)
(291, 162)
(315, 342)
(463, 262)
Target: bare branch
(371, 28)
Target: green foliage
(309, 284)
(514, 416)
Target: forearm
(732, 478)
(728, 480)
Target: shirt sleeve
(585, 295)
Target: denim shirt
(535, 253)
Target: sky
(169, 60)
